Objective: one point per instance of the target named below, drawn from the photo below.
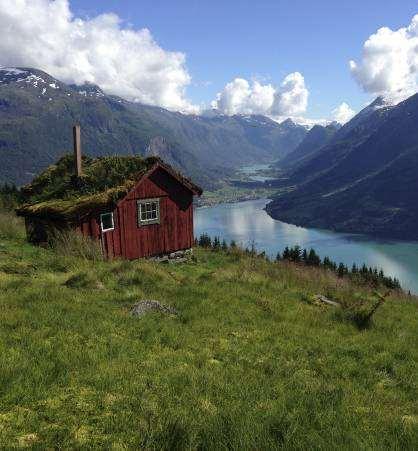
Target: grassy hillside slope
(248, 363)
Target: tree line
(300, 256)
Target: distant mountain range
(364, 179)
(37, 112)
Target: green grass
(249, 363)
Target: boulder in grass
(142, 307)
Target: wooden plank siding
(131, 241)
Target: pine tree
(327, 263)
(286, 253)
(205, 240)
(364, 269)
(313, 258)
(296, 254)
(216, 244)
(341, 270)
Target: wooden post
(77, 150)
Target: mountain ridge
(365, 180)
(317, 137)
(37, 112)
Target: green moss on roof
(57, 194)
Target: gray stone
(176, 254)
(142, 307)
(177, 260)
(159, 259)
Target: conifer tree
(296, 254)
(216, 244)
(341, 270)
(327, 263)
(313, 258)
(286, 253)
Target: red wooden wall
(174, 232)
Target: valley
(245, 184)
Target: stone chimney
(77, 150)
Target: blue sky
(265, 39)
(300, 59)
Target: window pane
(107, 221)
(148, 211)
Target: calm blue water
(247, 223)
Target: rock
(142, 307)
(176, 254)
(177, 260)
(173, 257)
(325, 300)
(161, 259)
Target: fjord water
(247, 223)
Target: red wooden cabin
(154, 218)
(136, 207)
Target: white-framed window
(106, 222)
(148, 211)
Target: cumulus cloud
(239, 97)
(242, 97)
(389, 64)
(292, 97)
(122, 61)
(343, 113)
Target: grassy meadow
(250, 362)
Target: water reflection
(247, 223)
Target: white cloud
(291, 98)
(122, 61)
(239, 97)
(242, 97)
(343, 113)
(389, 64)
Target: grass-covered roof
(58, 194)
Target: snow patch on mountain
(11, 71)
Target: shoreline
(241, 195)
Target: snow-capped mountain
(31, 78)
